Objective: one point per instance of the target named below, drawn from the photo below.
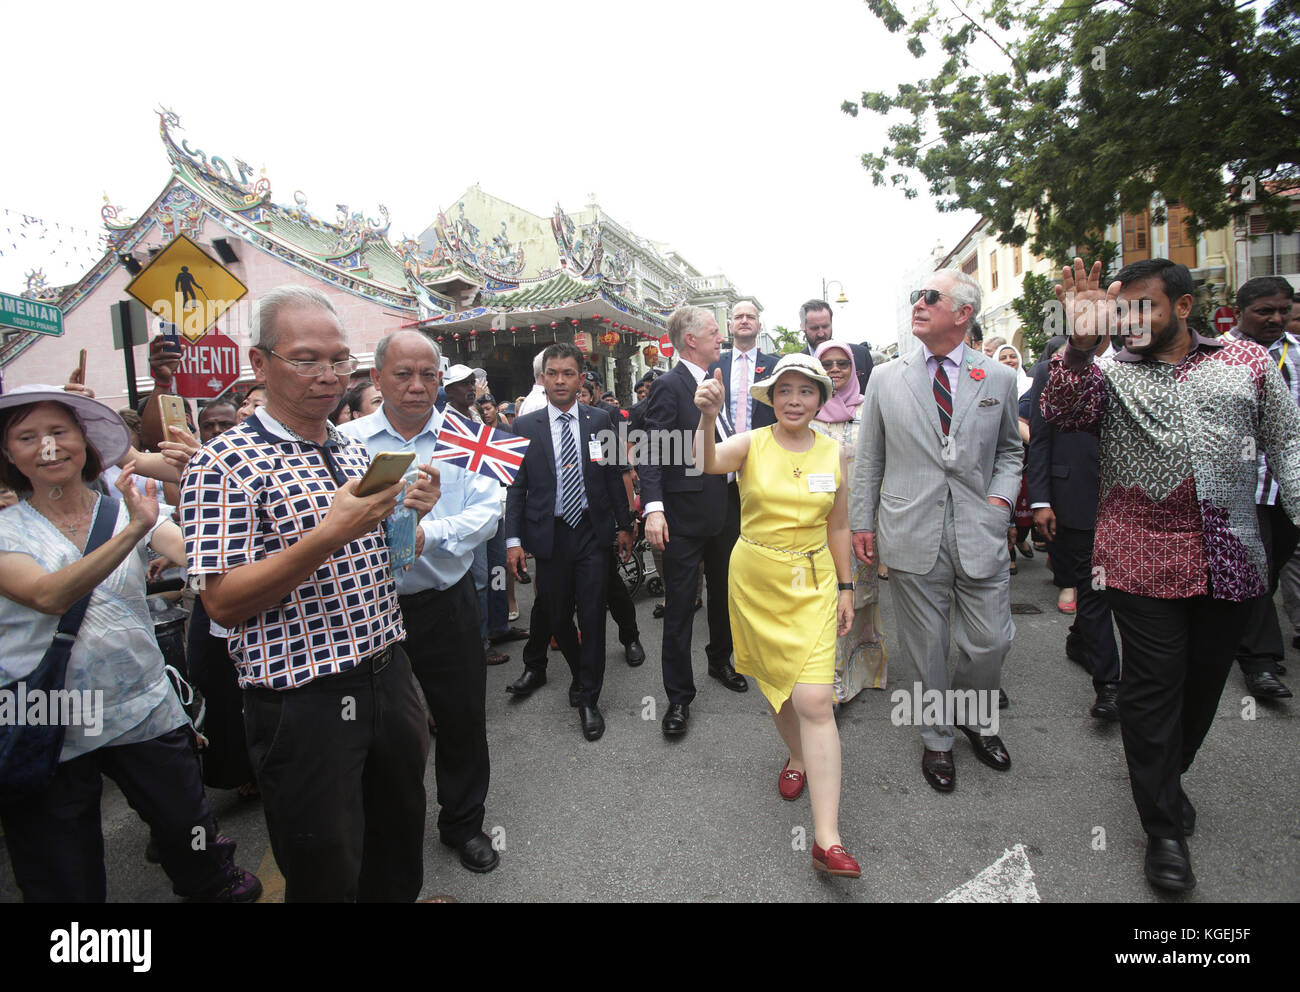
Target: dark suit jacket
(695, 504)
(760, 414)
(1062, 469)
(530, 501)
(861, 359)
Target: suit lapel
(917, 376)
(970, 389)
(547, 445)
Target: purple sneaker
(238, 885)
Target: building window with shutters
(1182, 246)
(993, 269)
(1137, 236)
(1017, 261)
(1272, 254)
(972, 265)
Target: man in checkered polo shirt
(294, 564)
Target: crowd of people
(815, 480)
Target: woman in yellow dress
(794, 550)
(860, 654)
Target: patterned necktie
(742, 394)
(571, 480)
(943, 397)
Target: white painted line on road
(1008, 879)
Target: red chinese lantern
(574, 321)
(651, 353)
(532, 327)
(474, 332)
(595, 316)
(554, 324)
(605, 319)
(513, 330)
(609, 339)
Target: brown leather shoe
(939, 770)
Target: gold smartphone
(386, 469)
(81, 369)
(172, 410)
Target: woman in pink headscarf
(860, 654)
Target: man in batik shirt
(1180, 419)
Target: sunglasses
(837, 363)
(931, 296)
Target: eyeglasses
(311, 369)
(836, 363)
(932, 296)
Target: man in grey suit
(940, 452)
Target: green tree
(1034, 307)
(788, 341)
(1094, 106)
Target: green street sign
(30, 315)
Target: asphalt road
(636, 817)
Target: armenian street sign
(186, 286)
(30, 315)
(208, 368)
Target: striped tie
(571, 492)
(943, 397)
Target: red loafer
(835, 861)
(790, 784)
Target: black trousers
(56, 841)
(340, 762)
(621, 607)
(1261, 646)
(446, 651)
(1071, 552)
(682, 557)
(225, 759)
(1177, 654)
(575, 576)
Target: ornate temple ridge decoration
(580, 251)
(39, 288)
(215, 170)
(497, 264)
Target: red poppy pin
(977, 374)
(759, 369)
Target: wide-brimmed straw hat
(105, 430)
(803, 364)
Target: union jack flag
(479, 448)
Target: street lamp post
(833, 282)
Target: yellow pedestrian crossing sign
(185, 286)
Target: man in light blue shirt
(436, 593)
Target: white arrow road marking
(1008, 879)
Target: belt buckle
(380, 659)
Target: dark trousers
(56, 841)
(442, 639)
(1071, 552)
(225, 759)
(1261, 647)
(620, 603)
(1177, 653)
(340, 762)
(576, 575)
(682, 557)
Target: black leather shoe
(675, 719)
(478, 854)
(1168, 865)
(1188, 813)
(593, 724)
(511, 634)
(526, 683)
(1107, 705)
(635, 652)
(989, 749)
(1266, 685)
(659, 611)
(729, 677)
(573, 693)
(939, 770)
(1003, 701)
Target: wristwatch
(845, 586)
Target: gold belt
(798, 554)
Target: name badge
(821, 482)
(594, 450)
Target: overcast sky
(711, 125)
